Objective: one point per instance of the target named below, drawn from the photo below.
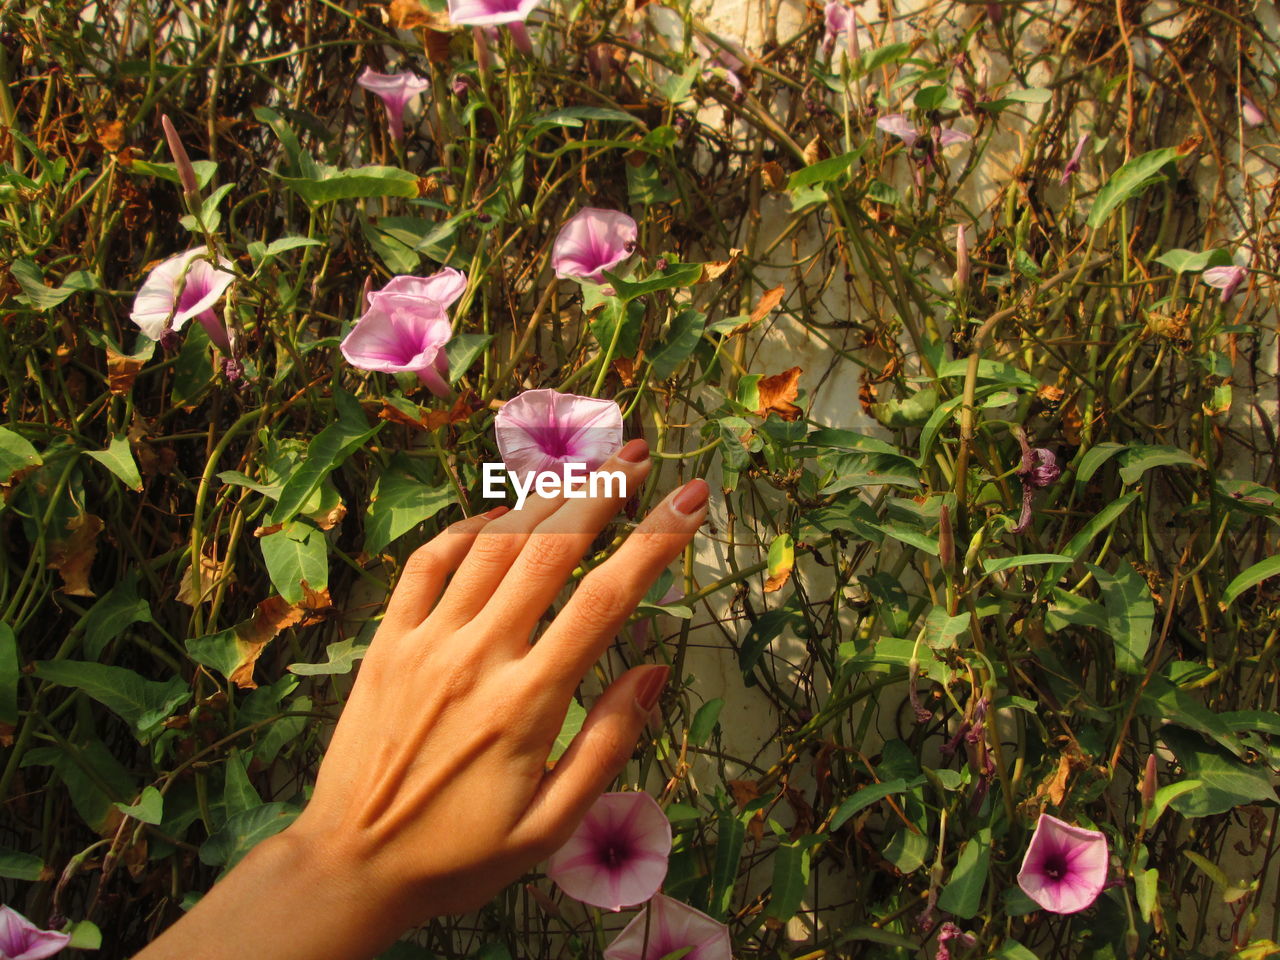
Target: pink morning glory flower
(402, 333)
(838, 19)
(444, 287)
(546, 429)
(1226, 279)
(395, 90)
(670, 925)
(490, 13)
(1073, 164)
(20, 939)
(1065, 866)
(591, 242)
(618, 855)
(183, 287)
(898, 125)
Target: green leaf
(573, 721)
(1128, 182)
(15, 865)
(1251, 577)
(399, 504)
(1139, 458)
(676, 275)
(824, 171)
(782, 555)
(238, 793)
(574, 117)
(998, 564)
(34, 292)
(909, 411)
(731, 834)
(1077, 545)
(990, 370)
(143, 704)
(1187, 261)
(1013, 950)
(295, 554)
(462, 351)
(341, 657)
(883, 56)
(677, 87)
(963, 893)
(331, 184)
(1146, 885)
(117, 610)
(10, 671)
(93, 777)
(762, 632)
(1162, 799)
(865, 798)
(118, 458)
(148, 809)
(85, 935)
(704, 721)
(261, 252)
(325, 453)
(1095, 457)
(204, 170)
(1225, 782)
(15, 454)
(941, 629)
(245, 830)
(790, 878)
(682, 339)
(1130, 612)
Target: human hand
(434, 792)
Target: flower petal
(480, 13)
(544, 429)
(1065, 866)
(444, 286)
(399, 334)
(617, 857)
(896, 124)
(669, 926)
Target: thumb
(601, 749)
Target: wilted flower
(1073, 163)
(184, 286)
(402, 333)
(1065, 866)
(618, 855)
(1226, 279)
(20, 939)
(722, 55)
(491, 13)
(395, 90)
(1038, 469)
(1250, 112)
(665, 926)
(544, 430)
(591, 242)
(948, 932)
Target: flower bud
(961, 281)
(186, 172)
(946, 540)
(1149, 783)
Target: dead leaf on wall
(717, 268)
(121, 372)
(412, 14)
(778, 392)
(73, 555)
(272, 616)
(774, 176)
(768, 300)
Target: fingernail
(495, 513)
(650, 689)
(634, 452)
(690, 498)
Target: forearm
(289, 899)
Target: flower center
(1055, 867)
(503, 6)
(614, 853)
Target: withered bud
(946, 540)
(961, 281)
(1149, 782)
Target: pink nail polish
(651, 686)
(635, 451)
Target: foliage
(193, 562)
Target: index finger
(608, 594)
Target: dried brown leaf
(110, 135)
(768, 300)
(73, 555)
(774, 176)
(121, 372)
(776, 396)
(212, 573)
